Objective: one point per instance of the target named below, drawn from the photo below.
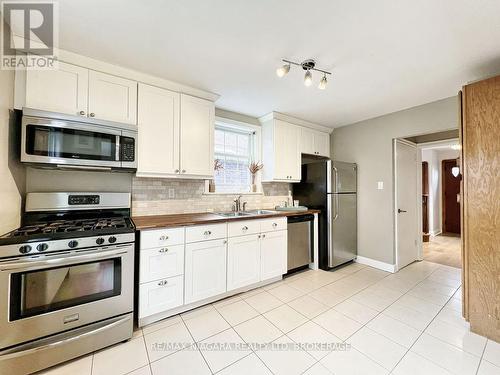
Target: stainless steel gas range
(66, 279)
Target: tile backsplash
(155, 196)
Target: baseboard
(376, 264)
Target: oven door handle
(7, 354)
(60, 261)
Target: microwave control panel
(127, 149)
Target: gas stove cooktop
(62, 221)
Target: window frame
(244, 127)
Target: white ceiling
(385, 55)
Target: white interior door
(405, 164)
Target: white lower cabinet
(243, 261)
(273, 254)
(160, 295)
(161, 262)
(205, 270)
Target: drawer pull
(244, 228)
(263, 236)
(275, 225)
(164, 250)
(259, 236)
(162, 283)
(224, 242)
(207, 233)
(163, 238)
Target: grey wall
(369, 144)
(11, 172)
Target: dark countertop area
(179, 220)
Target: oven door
(48, 294)
(69, 143)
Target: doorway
(442, 198)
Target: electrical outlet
(171, 193)
(380, 185)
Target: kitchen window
(235, 148)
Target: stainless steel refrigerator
(330, 186)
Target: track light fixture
(308, 65)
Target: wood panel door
(481, 211)
(450, 197)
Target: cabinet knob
(183, 171)
(164, 250)
(224, 242)
(163, 282)
(244, 228)
(259, 236)
(176, 171)
(275, 225)
(82, 113)
(92, 114)
(263, 236)
(163, 238)
(207, 233)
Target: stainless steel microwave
(64, 141)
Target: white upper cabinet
(196, 136)
(281, 151)
(78, 91)
(314, 142)
(112, 98)
(63, 90)
(158, 126)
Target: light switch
(171, 193)
(380, 185)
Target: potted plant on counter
(218, 166)
(254, 168)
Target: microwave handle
(60, 261)
(117, 149)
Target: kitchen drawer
(161, 262)
(161, 237)
(206, 232)
(241, 228)
(161, 295)
(271, 225)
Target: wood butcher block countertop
(179, 220)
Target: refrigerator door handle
(336, 207)
(335, 186)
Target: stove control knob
(73, 244)
(99, 241)
(112, 239)
(25, 249)
(42, 247)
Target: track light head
(323, 82)
(283, 70)
(308, 79)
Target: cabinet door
(273, 254)
(158, 126)
(159, 296)
(155, 264)
(322, 144)
(112, 98)
(63, 90)
(205, 270)
(197, 136)
(307, 141)
(286, 151)
(243, 261)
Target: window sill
(225, 193)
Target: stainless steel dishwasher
(300, 241)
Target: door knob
(400, 210)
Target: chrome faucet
(238, 204)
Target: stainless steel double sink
(246, 213)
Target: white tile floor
(404, 323)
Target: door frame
(418, 200)
(443, 201)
